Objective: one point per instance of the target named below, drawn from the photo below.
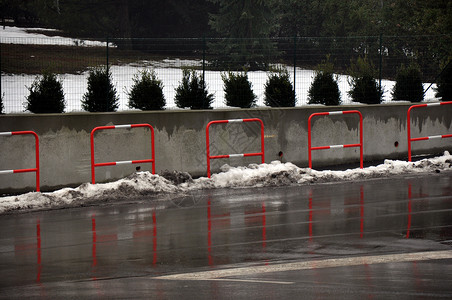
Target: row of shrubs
(366, 89)
(46, 93)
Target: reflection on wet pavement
(222, 228)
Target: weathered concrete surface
(180, 140)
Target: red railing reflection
(223, 220)
(323, 207)
(257, 216)
(146, 234)
(25, 248)
(409, 212)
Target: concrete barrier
(180, 140)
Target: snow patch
(22, 36)
(144, 184)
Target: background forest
(234, 18)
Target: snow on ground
(15, 91)
(14, 87)
(18, 35)
(144, 185)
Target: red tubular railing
(425, 137)
(94, 165)
(36, 169)
(360, 145)
(209, 157)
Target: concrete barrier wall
(180, 140)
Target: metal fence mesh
(24, 58)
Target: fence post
(1, 95)
(381, 60)
(114, 163)
(107, 53)
(294, 65)
(425, 138)
(36, 168)
(204, 59)
(360, 145)
(209, 157)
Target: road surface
(382, 239)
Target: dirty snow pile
(143, 184)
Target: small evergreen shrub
(146, 92)
(101, 95)
(324, 90)
(238, 91)
(1, 104)
(192, 92)
(364, 86)
(279, 90)
(408, 85)
(444, 84)
(46, 95)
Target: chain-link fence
(24, 58)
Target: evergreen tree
(444, 85)
(324, 90)
(279, 90)
(101, 95)
(1, 104)
(364, 86)
(408, 84)
(46, 95)
(192, 92)
(147, 92)
(238, 91)
(245, 26)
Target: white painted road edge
(308, 265)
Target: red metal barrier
(93, 164)
(36, 169)
(360, 145)
(209, 157)
(426, 137)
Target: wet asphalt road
(381, 239)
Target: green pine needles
(101, 95)
(279, 91)
(147, 92)
(1, 104)
(238, 90)
(46, 95)
(192, 92)
(444, 85)
(408, 84)
(364, 86)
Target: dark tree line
(114, 18)
(244, 29)
(244, 18)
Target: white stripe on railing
(336, 146)
(236, 155)
(434, 104)
(124, 162)
(235, 121)
(6, 133)
(336, 113)
(123, 126)
(435, 137)
(7, 172)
